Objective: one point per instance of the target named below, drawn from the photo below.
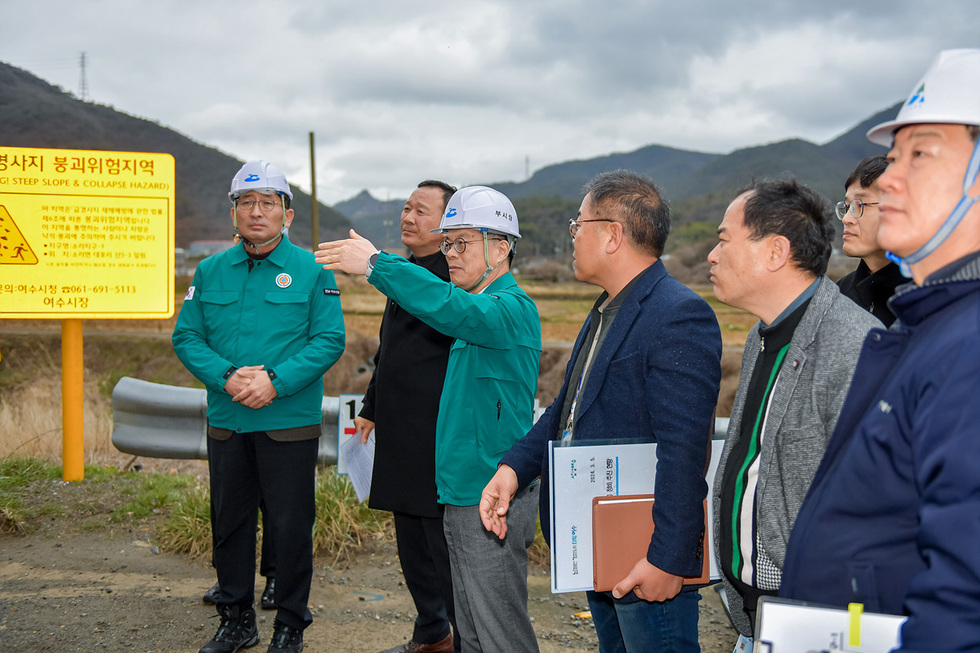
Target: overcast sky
(398, 91)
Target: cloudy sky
(473, 91)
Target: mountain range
(699, 185)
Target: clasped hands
(251, 386)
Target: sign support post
(72, 401)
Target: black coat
(871, 291)
(403, 402)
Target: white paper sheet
(591, 468)
(784, 626)
(360, 463)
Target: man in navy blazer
(645, 365)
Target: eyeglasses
(856, 207)
(459, 244)
(574, 225)
(266, 206)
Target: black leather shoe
(269, 594)
(285, 639)
(211, 596)
(237, 631)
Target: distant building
(186, 260)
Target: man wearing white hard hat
(487, 401)
(892, 519)
(260, 325)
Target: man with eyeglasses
(771, 260)
(875, 279)
(401, 406)
(645, 365)
(487, 400)
(259, 327)
(893, 518)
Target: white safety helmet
(949, 92)
(480, 207)
(259, 176)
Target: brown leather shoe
(443, 646)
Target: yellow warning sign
(13, 248)
(86, 234)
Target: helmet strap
(486, 258)
(255, 246)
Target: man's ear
(778, 252)
(615, 237)
(503, 247)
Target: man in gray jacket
(771, 259)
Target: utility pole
(83, 83)
(314, 212)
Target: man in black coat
(401, 405)
(874, 281)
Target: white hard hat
(479, 207)
(259, 176)
(949, 92)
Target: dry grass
(30, 420)
(343, 524)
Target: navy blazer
(656, 376)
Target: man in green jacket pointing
(487, 401)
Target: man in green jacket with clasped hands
(259, 326)
(487, 401)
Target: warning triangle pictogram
(13, 246)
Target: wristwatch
(371, 261)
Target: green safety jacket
(282, 312)
(487, 401)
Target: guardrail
(154, 420)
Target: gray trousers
(490, 576)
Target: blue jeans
(637, 626)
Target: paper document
(360, 463)
(347, 411)
(589, 468)
(784, 626)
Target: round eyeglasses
(459, 245)
(574, 225)
(266, 206)
(856, 208)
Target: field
(97, 565)
(30, 360)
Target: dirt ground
(78, 583)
